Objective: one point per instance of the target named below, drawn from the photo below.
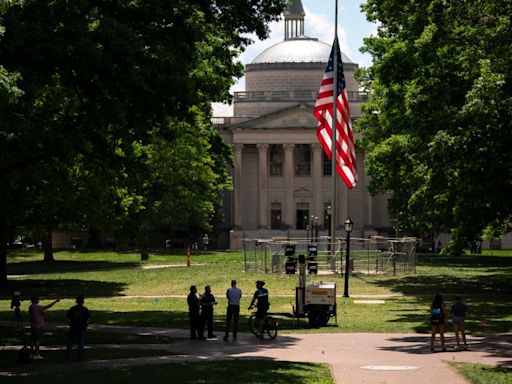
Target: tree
(91, 82)
(438, 126)
(184, 179)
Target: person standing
(459, 311)
(262, 305)
(207, 302)
(233, 294)
(438, 319)
(37, 324)
(193, 314)
(79, 317)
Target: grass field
(152, 292)
(120, 289)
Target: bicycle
(270, 325)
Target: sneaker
(212, 336)
(38, 357)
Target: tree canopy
(438, 127)
(93, 92)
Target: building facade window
(327, 166)
(275, 216)
(302, 159)
(276, 160)
(302, 215)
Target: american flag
(345, 150)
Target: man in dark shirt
(193, 314)
(262, 306)
(78, 316)
(207, 303)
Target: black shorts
(261, 313)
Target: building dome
(298, 50)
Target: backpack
(436, 315)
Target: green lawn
(113, 281)
(483, 281)
(483, 374)
(214, 372)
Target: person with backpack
(459, 310)
(438, 319)
(78, 317)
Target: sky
(319, 23)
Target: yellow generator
(320, 303)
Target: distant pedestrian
(438, 320)
(37, 324)
(459, 311)
(193, 314)
(207, 302)
(206, 241)
(233, 294)
(79, 318)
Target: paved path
(388, 358)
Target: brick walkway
(354, 358)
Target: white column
(262, 186)
(288, 185)
(317, 173)
(237, 186)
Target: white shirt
(234, 294)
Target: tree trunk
(48, 246)
(94, 238)
(4, 235)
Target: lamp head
(348, 225)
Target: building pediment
(298, 116)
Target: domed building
(281, 177)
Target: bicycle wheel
(253, 325)
(271, 327)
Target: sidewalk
(354, 358)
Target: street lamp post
(329, 212)
(316, 229)
(348, 228)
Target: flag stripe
(345, 149)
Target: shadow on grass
(483, 282)
(493, 345)
(59, 288)
(233, 371)
(41, 267)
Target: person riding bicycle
(261, 296)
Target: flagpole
(333, 142)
